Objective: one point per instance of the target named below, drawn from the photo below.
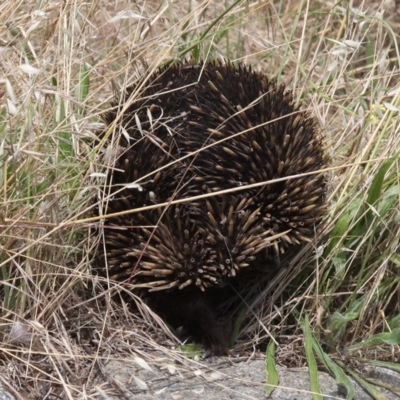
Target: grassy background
(61, 62)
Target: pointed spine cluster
(197, 130)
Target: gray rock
(228, 380)
(5, 395)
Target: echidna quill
(201, 144)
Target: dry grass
(59, 64)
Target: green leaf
(375, 393)
(82, 90)
(391, 338)
(338, 322)
(272, 376)
(389, 201)
(395, 258)
(196, 52)
(191, 350)
(339, 229)
(394, 323)
(312, 365)
(386, 364)
(370, 50)
(66, 149)
(335, 370)
(374, 191)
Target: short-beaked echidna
(222, 132)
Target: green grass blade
(386, 364)
(312, 365)
(206, 32)
(82, 90)
(374, 392)
(272, 376)
(374, 192)
(334, 370)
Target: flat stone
(5, 395)
(244, 380)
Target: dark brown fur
(197, 314)
(189, 130)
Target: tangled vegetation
(337, 306)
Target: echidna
(199, 145)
